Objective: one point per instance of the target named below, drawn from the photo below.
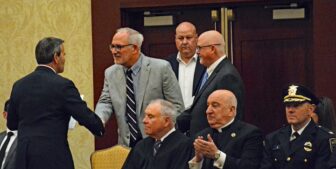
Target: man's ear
(55, 58)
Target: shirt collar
(13, 131)
(136, 67)
(167, 134)
(213, 66)
(301, 129)
(227, 124)
(179, 59)
(48, 67)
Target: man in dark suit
(185, 63)
(302, 144)
(220, 74)
(228, 143)
(131, 83)
(41, 105)
(165, 148)
(7, 160)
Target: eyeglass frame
(198, 48)
(118, 47)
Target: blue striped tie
(135, 134)
(204, 79)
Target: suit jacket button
(288, 158)
(305, 160)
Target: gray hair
(135, 37)
(47, 48)
(167, 109)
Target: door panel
(269, 54)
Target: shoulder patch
(332, 143)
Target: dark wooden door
(159, 41)
(270, 54)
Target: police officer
(302, 144)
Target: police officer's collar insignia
(332, 142)
(308, 146)
(233, 134)
(292, 90)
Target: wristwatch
(217, 155)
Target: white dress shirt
(186, 78)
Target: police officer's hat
(299, 94)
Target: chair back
(109, 158)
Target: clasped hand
(204, 148)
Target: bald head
(215, 43)
(186, 40)
(221, 109)
(186, 26)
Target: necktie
(156, 147)
(294, 136)
(4, 147)
(204, 79)
(131, 116)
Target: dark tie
(294, 138)
(204, 79)
(131, 116)
(156, 147)
(295, 135)
(4, 147)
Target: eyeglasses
(198, 48)
(118, 47)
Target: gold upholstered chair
(109, 158)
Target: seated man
(165, 148)
(8, 144)
(302, 144)
(227, 143)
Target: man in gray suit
(131, 83)
(7, 160)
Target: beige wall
(22, 24)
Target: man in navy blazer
(185, 63)
(9, 158)
(220, 73)
(41, 105)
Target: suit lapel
(199, 71)
(143, 80)
(175, 65)
(120, 83)
(211, 78)
(10, 153)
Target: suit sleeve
(171, 88)
(323, 155)
(79, 110)
(104, 105)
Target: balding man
(228, 143)
(220, 74)
(185, 63)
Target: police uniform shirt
(311, 150)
